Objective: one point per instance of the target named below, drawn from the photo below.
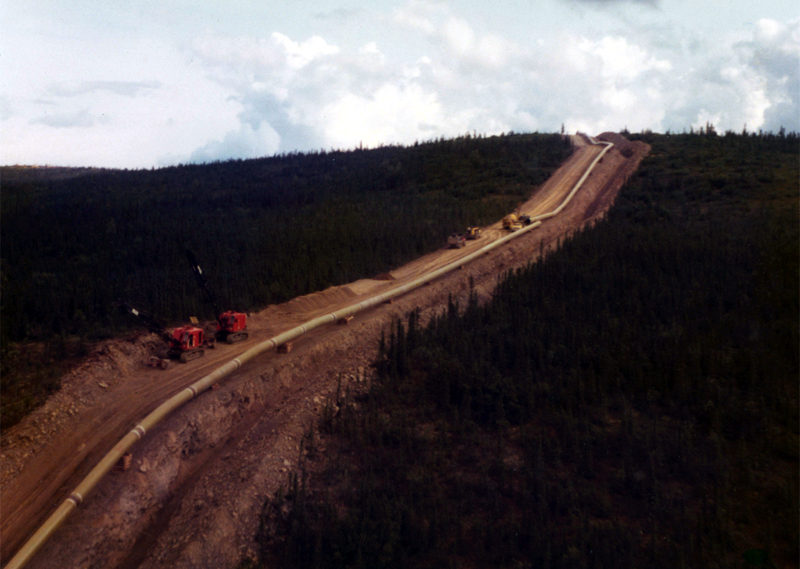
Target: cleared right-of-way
(549, 202)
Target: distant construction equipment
(473, 233)
(511, 222)
(456, 241)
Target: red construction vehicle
(185, 343)
(231, 326)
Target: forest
(630, 400)
(74, 241)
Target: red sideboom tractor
(185, 343)
(189, 341)
(231, 326)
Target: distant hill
(23, 174)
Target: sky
(146, 83)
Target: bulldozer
(511, 222)
(185, 343)
(231, 326)
(473, 233)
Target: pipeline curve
(37, 540)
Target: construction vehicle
(473, 233)
(511, 222)
(231, 326)
(456, 241)
(517, 220)
(185, 343)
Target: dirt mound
(623, 161)
(320, 300)
(622, 144)
(106, 366)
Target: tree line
(267, 230)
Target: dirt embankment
(193, 494)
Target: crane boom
(203, 282)
(152, 324)
(231, 326)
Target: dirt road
(193, 495)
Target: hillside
(629, 401)
(73, 241)
(267, 230)
(196, 483)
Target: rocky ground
(193, 493)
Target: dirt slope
(193, 495)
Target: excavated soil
(193, 493)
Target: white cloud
(390, 114)
(299, 55)
(416, 15)
(769, 31)
(622, 60)
(160, 103)
(704, 118)
(492, 51)
(459, 36)
(419, 70)
(610, 82)
(770, 74)
(455, 36)
(467, 81)
(749, 79)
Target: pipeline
(74, 500)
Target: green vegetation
(630, 401)
(72, 242)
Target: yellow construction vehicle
(511, 222)
(473, 233)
